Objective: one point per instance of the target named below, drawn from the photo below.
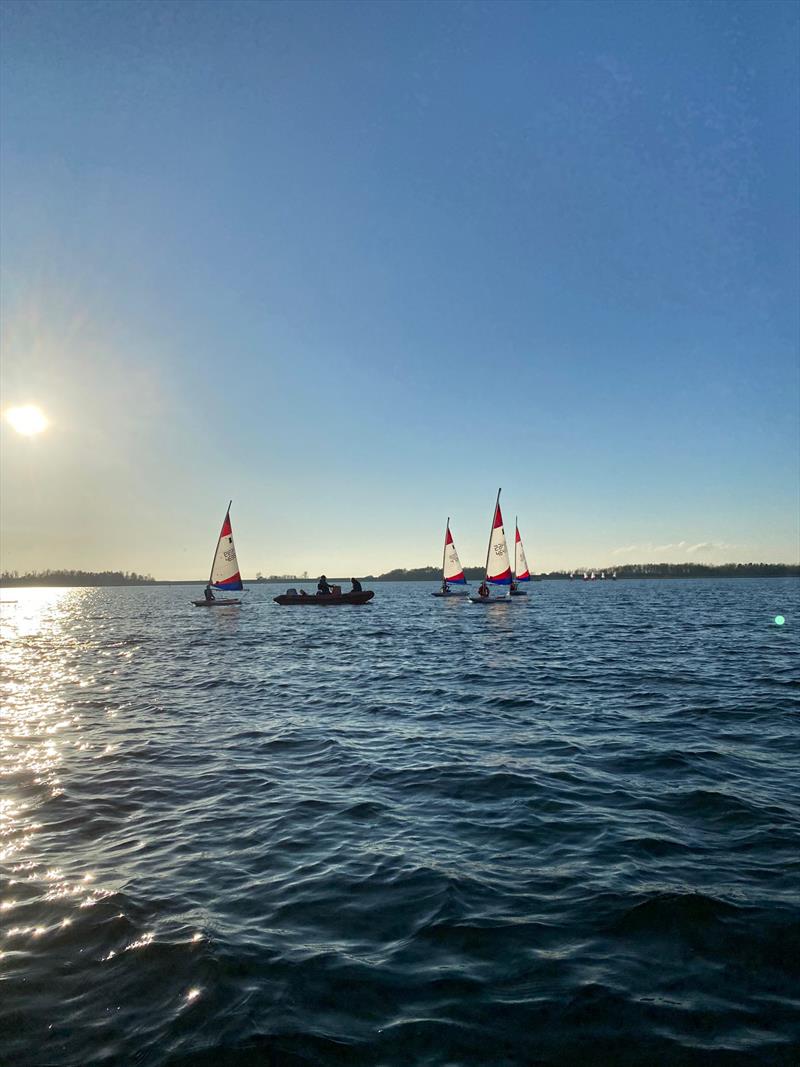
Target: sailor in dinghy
(452, 571)
(224, 569)
(498, 565)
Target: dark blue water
(565, 830)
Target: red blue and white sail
(498, 566)
(225, 568)
(520, 563)
(452, 571)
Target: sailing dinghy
(498, 565)
(452, 571)
(224, 568)
(521, 572)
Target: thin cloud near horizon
(678, 546)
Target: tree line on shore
(429, 574)
(627, 570)
(76, 578)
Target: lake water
(421, 832)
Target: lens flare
(28, 420)
(779, 620)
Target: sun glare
(28, 420)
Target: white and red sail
(452, 571)
(498, 565)
(520, 563)
(225, 568)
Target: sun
(28, 420)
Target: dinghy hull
(329, 601)
(215, 603)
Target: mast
(491, 531)
(516, 539)
(444, 550)
(213, 558)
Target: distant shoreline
(647, 572)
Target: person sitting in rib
(323, 589)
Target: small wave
(673, 913)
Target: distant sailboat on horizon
(498, 565)
(224, 567)
(452, 571)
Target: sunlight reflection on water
(37, 724)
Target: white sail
(520, 562)
(452, 570)
(498, 567)
(225, 568)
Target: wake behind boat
(224, 570)
(498, 565)
(452, 571)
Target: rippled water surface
(562, 830)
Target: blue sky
(356, 265)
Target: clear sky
(357, 265)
